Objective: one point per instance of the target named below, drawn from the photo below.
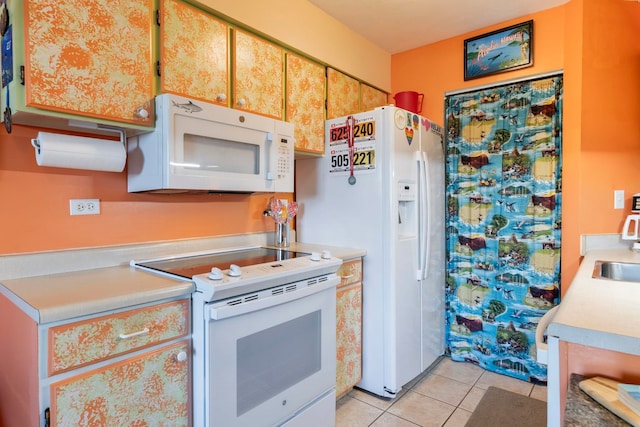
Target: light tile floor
(445, 395)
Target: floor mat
(502, 408)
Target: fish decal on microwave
(189, 107)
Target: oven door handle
(226, 311)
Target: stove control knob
(234, 271)
(216, 274)
(315, 256)
(326, 254)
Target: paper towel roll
(79, 152)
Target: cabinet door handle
(348, 276)
(142, 113)
(133, 334)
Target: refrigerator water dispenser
(407, 209)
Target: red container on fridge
(409, 100)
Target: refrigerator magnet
(400, 119)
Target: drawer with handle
(350, 272)
(76, 344)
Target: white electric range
(263, 335)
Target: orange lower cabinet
(125, 368)
(349, 326)
(150, 389)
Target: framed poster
(503, 50)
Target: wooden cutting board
(605, 392)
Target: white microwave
(197, 146)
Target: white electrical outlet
(84, 206)
(618, 199)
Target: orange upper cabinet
(343, 94)
(91, 59)
(259, 75)
(305, 89)
(372, 98)
(194, 53)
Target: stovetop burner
(188, 266)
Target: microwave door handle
(268, 148)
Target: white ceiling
(400, 25)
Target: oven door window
(270, 361)
(263, 366)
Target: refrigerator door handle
(427, 217)
(423, 221)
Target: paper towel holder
(82, 152)
(90, 125)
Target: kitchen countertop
(64, 296)
(88, 290)
(599, 312)
(582, 410)
(338, 252)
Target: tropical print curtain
(504, 179)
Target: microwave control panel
(282, 172)
(283, 166)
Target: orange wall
(595, 44)
(572, 135)
(35, 206)
(610, 112)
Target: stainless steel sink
(612, 270)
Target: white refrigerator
(389, 201)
